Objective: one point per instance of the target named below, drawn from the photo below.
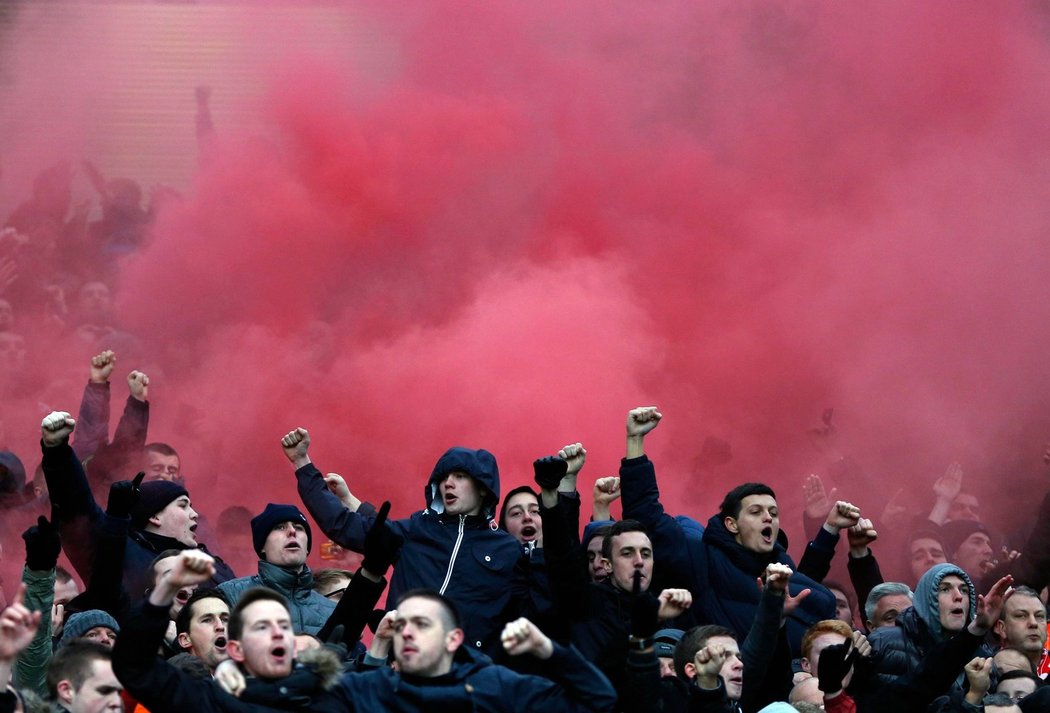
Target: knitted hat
(155, 496)
(665, 640)
(956, 532)
(273, 516)
(12, 473)
(82, 622)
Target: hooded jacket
(718, 570)
(310, 610)
(480, 568)
(899, 650)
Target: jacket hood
(926, 605)
(478, 464)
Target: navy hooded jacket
(480, 568)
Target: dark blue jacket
(569, 684)
(483, 570)
(719, 572)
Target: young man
(201, 626)
(1022, 626)
(282, 538)
(449, 546)
(737, 545)
(435, 670)
(80, 679)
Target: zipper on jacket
(455, 551)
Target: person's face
(758, 524)
(1023, 625)
(924, 553)
(807, 691)
(206, 638)
(953, 600)
(974, 554)
(667, 667)
(65, 591)
(1016, 688)
(523, 518)
(598, 565)
(460, 494)
(887, 609)
(99, 693)
(422, 644)
(334, 590)
(842, 610)
(631, 551)
(267, 645)
(965, 506)
(12, 350)
(94, 299)
(101, 635)
(820, 643)
(161, 467)
(285, 546)
(177, 520)
(732, 671)
(161, 568)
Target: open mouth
(183, 595)
(292, 546)
(450, 500)
(767, 534)
(278, 652)
(958, 611)
(220, 643)
(528, 532)
(193, 527)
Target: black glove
(835, 663)
(123, 496)
(42, 545)
(645, 608)
(381, 544)
(549, 471)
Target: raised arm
(345, 527)
(93, 416)
(43, 546)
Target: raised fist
(56, 428)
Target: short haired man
(1022, 626)
(736, 546)
(80, 679)
(1018, 684)
(885, 603)
(92, 625)
(201, 626)
(161, 462)
(820, 636)
(282, 538)
(520, 516)
(427, 640)
(330, 583)
(925, 549)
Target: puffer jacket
(310, 610)
(719, 571)
(483, 570)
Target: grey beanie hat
(82, 622)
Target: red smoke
(542, 215)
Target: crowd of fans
(495, 602)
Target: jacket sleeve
(353, 610)
(566, 679)
(641, 690)
(566, 574)
(864, 575)
(105, 589)
(816, 560)
(703, 700)
(92, 420)
(74, 507)
(115, 460)
(345, 528)
(763, 680)
(641, 501)
(934, 677)
(30, 670)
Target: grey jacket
(309, 609)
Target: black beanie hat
(155, 496)
(271, 517)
